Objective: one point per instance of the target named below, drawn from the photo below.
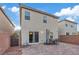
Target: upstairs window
(66, 25)
(27, 15)
(44, 19)
(71, 26)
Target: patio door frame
(34, 37)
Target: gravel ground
(41, 49)
(60, 49)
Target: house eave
(68, 21)
(7, 17)
(39, 11)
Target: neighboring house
(67, 27)
(37, 26)
(6, 30)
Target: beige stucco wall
(63, 29)
(36, 24)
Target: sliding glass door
(33, 37)
(30, 37)
(36, 37)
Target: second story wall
(61, 28)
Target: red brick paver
(41, 49)
(61, 49)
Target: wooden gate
(14, 42)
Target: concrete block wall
(4, 42)
(74, 39)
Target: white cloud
(70, 18)
(17, 28)
(65, 11)
(14, 9)
(69, 11)
(3, 7)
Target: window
(66, 25)
(51, 35)
(72, 26)
(27, 15)
(44, 19)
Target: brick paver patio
(13, 51)
(41, 49)
(61, 49)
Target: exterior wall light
(41, 32)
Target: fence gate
(14, 42)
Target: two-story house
(67, 27)
(37, 26)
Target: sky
(68, 11)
